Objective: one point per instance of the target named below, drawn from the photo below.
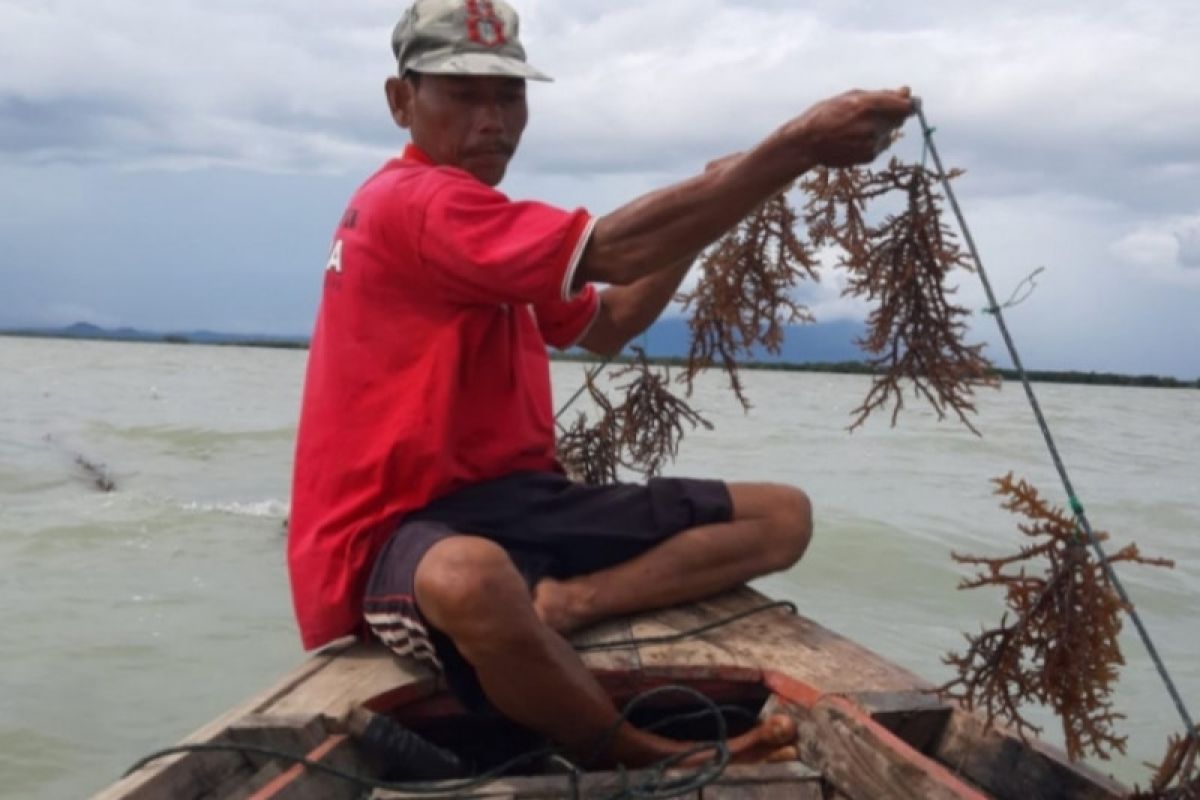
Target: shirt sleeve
(563, 324)
(479, 247)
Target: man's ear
(399, 97)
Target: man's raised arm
(672, 225)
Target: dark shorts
(549, 525)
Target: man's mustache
(497, 148)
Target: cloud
(1076, 123)
(1166, 250)
(1188, 236)
(277, 85)
(181, 84)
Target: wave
(194, 435)
(261, 508)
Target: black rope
(578, 392)
(1081, 519)
(654, 783)
(689, 634)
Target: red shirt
(428, 368)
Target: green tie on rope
(1028, 284)
(1081, 520)
(925, 140)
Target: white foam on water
(260, 508)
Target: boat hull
(868, 728)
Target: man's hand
(850, 129)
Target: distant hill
(828, 342)
(825, 342)
(824, 347)
(86, 330)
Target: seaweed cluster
(641, 433)
(745, 294)
(1057, 645)
(900, 264)
(1178, 776)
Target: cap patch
(484, 26)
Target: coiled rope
(652, 783)
(1081, 520)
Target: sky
(181, 164)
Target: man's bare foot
(560, 605)
(771, 741)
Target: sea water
(130, 618)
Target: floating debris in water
(97, 473)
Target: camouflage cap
(461, 37)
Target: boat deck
(869, 728)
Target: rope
(689, 634)
(1014, 300)
(578, 392)
(655, 784)
(1081, 519)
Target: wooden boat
(868, 728)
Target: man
(427, 498)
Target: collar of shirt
(414, 153)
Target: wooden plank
(296, 734)
(1012, 769)
(358, 675)
(622, 660)
(790, 790)
(299, 783)
(795, 645)
(918, 718)
(187, 775)
(330, 682)
(737, 774)
(786, 781)
(493, 791)
(619, 671)
(864, 760)
(713, 653)
(248, 786)
(899, 702)
(605, 784)
(774, 640)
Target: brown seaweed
(651, 419)
(902, 265)
(744, 298)
(1057, 645)
(590, 453)
(641, 433)
(1178, 776)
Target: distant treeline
(844, 367)
(279, 344)
(862, 368)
